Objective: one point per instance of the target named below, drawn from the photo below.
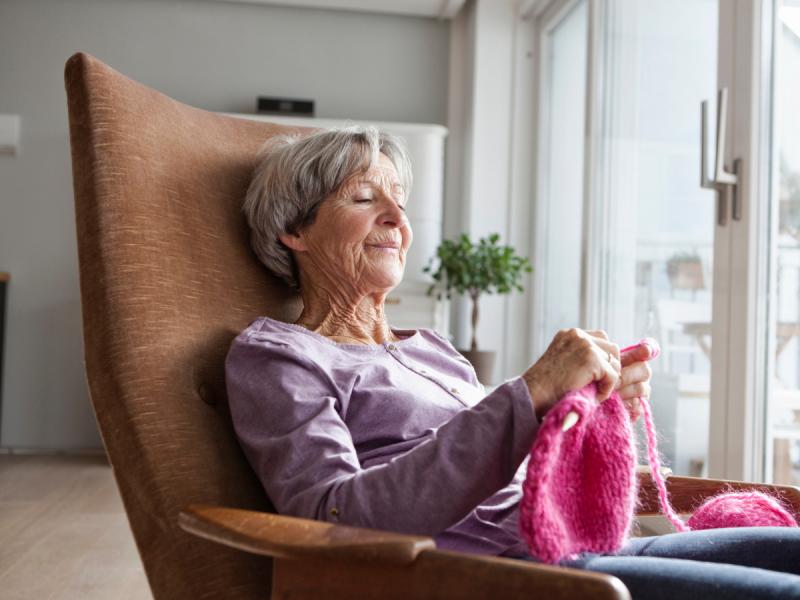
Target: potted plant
(474, 269)
(685, 271)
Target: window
(627, 239)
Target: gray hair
(294, 174)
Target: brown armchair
(167, 280)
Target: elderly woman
(349, 420)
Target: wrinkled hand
(574, 359)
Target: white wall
(479, 184)
(487, 164)
(214, 55)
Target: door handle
(725, 183)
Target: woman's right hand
(574, 359)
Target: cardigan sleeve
(284, 410)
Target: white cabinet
(441, 9)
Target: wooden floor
(63, 532)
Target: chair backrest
(167, 280)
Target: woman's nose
(393, 215)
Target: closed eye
(365, 200)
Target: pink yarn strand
(655, 468)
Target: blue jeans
(724, 564)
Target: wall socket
(9, 134)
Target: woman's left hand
(634, 382)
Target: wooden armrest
(379, 565)
(441, 575)
(687, 493)
(289, 537)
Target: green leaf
(484, 267)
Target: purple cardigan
(396, 436)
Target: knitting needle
(572, 417)
(569, 420)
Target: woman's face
(360, 235)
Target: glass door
(625, 230)
(782, 434)
(698, 249)
(655, 225)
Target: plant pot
(686, 275)
(483, 362)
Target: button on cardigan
(397, 436)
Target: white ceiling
(443, 9)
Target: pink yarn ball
(741, 509)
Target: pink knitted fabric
(580, 488)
